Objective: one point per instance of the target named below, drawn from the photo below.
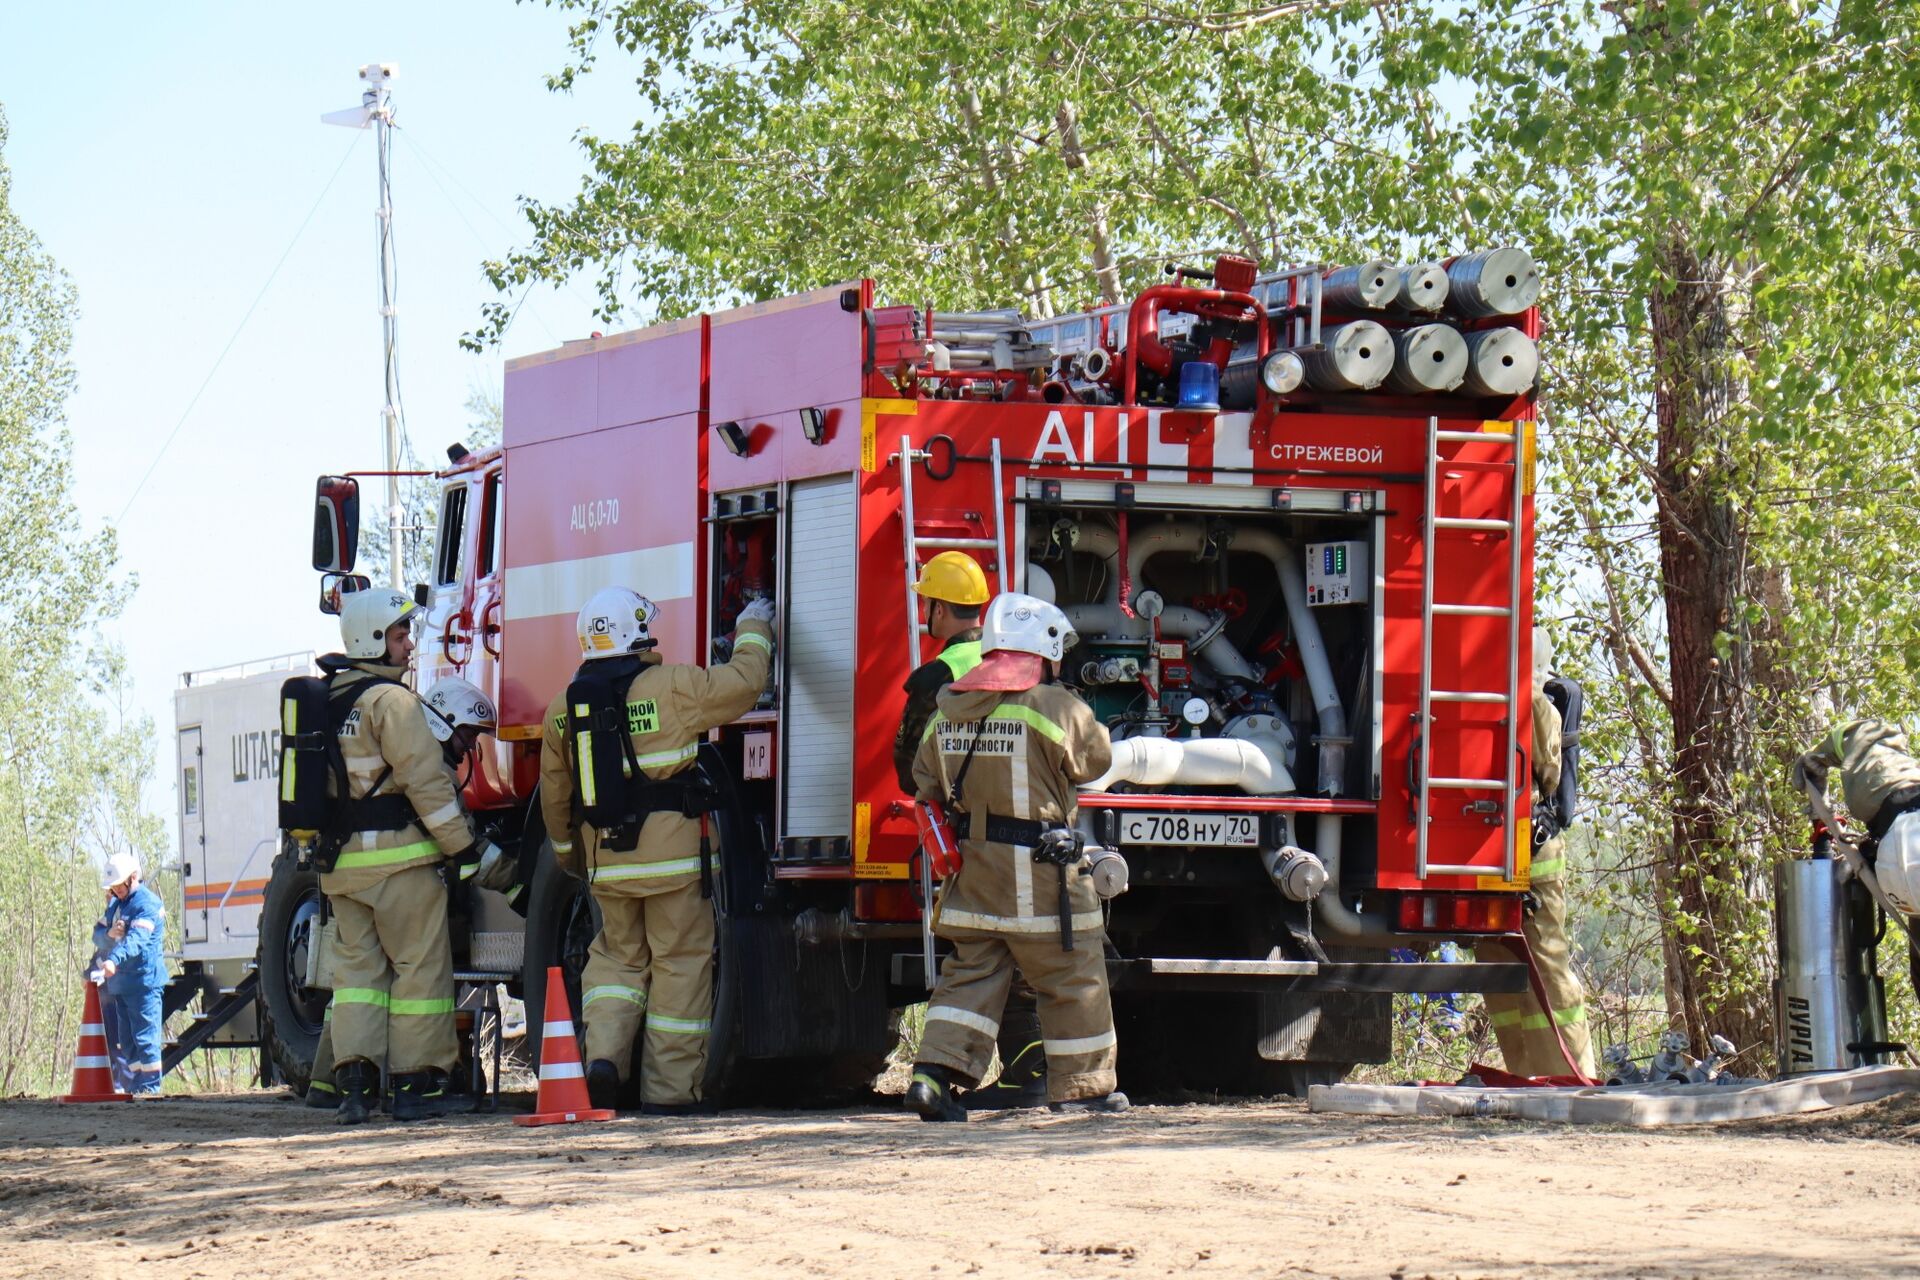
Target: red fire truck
(1276, 509)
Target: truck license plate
(1230, 830)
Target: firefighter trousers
(393, 974)
(1524, 1029)
(651, 968)
(1076, 1013)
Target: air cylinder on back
(1426, 358)
(1500, 362)
(1356, 356)
(1493, 282)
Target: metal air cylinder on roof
(1492, 282)
(1356, 356)
(1428, 357)
(1370, 286)
(1424, 287)
(1500, 362)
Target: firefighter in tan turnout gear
(1530, 1036)
(615, 764)
(393, 973)
(1005, 752)
(457, 714)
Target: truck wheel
(562, 921)
(290, 1012)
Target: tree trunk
(1716, 975)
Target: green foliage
(1723, 198)
(71, 761)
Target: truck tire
(290, 1013)
(562, 921)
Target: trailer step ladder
(1432, 525)
(916, 543)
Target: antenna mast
(376, 110)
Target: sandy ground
(253, 1185)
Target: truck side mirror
(336, 524)
(335, 587)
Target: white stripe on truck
(562, 586)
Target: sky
(167, 169)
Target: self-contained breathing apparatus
(1555, 813)
(322, 818)
(611, 791)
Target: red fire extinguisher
(937, 844)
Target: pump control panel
(1336, 573)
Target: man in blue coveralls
(132, 973)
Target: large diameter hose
(1254, 765)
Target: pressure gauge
(1196, 711)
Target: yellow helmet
(953, 576)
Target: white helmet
(1542, 656)
(122, 866)
(1026, 624)
(365, 617)
(614, 623)
(1021, 634)
(453, 703)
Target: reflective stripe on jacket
(388, 727)
(1030, 751)
(672, 707)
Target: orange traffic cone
(92, 1071)
(563, 1086)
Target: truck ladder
(1432, 525)
(914, 544)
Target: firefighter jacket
(1876, 770)
(386, 728)
(1549, 859)
(1030, 750)
(669, 709)
(137, 961)
(960, 655)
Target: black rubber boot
(322, 1096)
(1108, 1104)
(355, 1083)
(1022, 1083)
(603, 1084)
(421, 1095)
(930, 1096)
(679, 1109)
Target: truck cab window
(453, 520)
(489, 527)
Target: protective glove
(760, 610)
(1809, 773)
(498, 868)
(107, 968)
(1060, 847)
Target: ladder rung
(956, 544)
(1467, 784)
(1472, 611)
(1465, 695)
(1464, 869)
(1464, 522)
(1491, 437)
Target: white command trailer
(227, 732)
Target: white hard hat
(453, 703)
(1898, 864)
(1542, 656)
(614, 623)
(1019, 634)
(121, 867)
(366, 616)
